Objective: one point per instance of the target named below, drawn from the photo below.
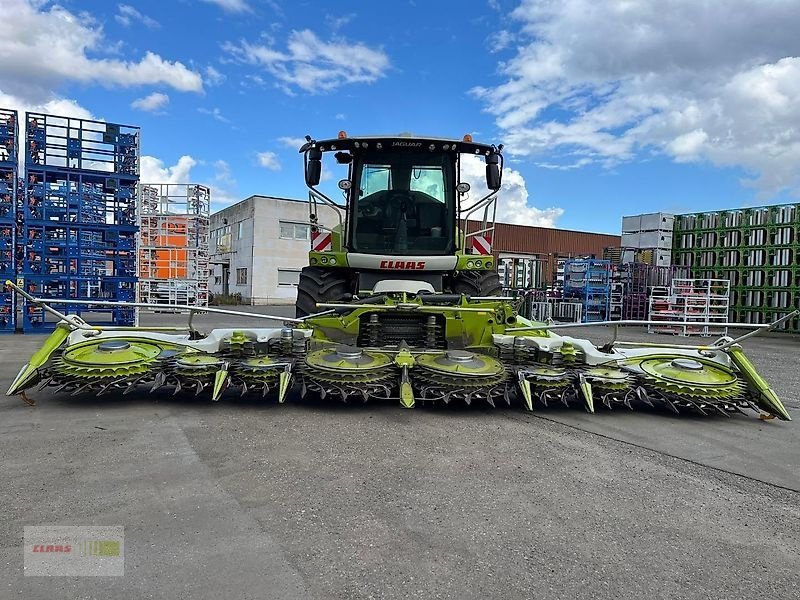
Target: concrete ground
(246, 499)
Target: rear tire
(477, 283)
(320, 285)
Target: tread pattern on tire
(478, 283)
(319, 285)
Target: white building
(258, 247)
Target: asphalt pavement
(246, 499)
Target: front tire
(477, 283)
(320, 285)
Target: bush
(225, 299)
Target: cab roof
(397, 143)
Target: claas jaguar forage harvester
(399, 302)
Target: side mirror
(313, 167)
(493, 178)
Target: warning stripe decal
(320, 241)
(482, 244)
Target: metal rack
(9, 185)
(691, 302)
(588, 281)
(638, 280)
(757, 249)
(78, 235)
(173, 250)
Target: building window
(241, 276)
(288, 276)
(294, 231)
(241, 230)
(217, 280)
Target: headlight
(470, 264)
(324, 260)
(333, 261)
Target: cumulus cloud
(63, 107)
(269, 160)
(154, 171)
(43, 47)
(311, 64)
(604, 82)
(512, 203)
(127, 15)
(152, 103)
(222, 184)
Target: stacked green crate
(757, 249)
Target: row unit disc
(692, 378)
(347, 371)
(460, 375)
(107, 358)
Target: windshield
(404, 205)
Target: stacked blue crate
(9, 180)
(80, 227)
(589, 282)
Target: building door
(226, 274)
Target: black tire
(320, 285)
(477, 283)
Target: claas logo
(408, 265)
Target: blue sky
(606, 108)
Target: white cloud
(43, 47)
(340, 117)
(512, 202)
(233, 6)
(269, 160)
(154, 171)
(336, 23)
(128, 14)
(313, 65)
(214, 77)
(604, 82)
(152, 103)
(215, 113)
(292, 142)
(500, 40)
(63, 107)
(222, 185)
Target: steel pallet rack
(692, 302)
(173, 249)
(756, 249)
(79, 217)
(9, 184)
(588, 281)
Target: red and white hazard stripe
(482, 244)
(320, 241)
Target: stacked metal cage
(9, 185)
(638, 280)
(173, 243)
(79, 216)
(588, 281)
(756, 249)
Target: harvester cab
(408, 223)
